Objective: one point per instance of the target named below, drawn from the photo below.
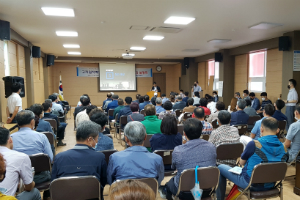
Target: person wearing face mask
(215, 96)
(11, 171)
(254, 101)
(291, 102)
(196, 88)
(237, 95)
(82, 159)
(264, 101)
(30, 142)
(246, 94)
(292, 141)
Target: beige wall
(74, 86)
(2, 92)
(241, 73)
(38, 78)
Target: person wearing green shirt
(151, 122)
(117, 109)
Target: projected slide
(114, 77)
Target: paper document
(236, 170)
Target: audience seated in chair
(190, 108)
(126, 110)
(224, 134)
(211, 105)
(113, 104)
(135, 116)
(292, 141)
(82, 160)
(186, 97)
(158, 106)
(84, 115)
(104, 142)
(141, 99)
(117, 109)
(130, 190)
(266, 149)
(170, 138)
(278, 114)
(79, 102)
(200, 115)
(233, 104)
(185, 156)
(249, 110)
(153, 99)
(85, 101)
(146, 102)
(196, 98)
(254, 101)
(13, 167)
(215, 96)
(107, 100)
(151, 122)
(246, 95)
(55, 106)
(137, 99)
(264, 101)
(179, 105)
(164, 98)
(28, 141)
(214, 116)
(168, 106)
(61, 126)
(239, 117)
(203, 104)
(136, 161)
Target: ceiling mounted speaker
(50, 60)
(4, 30)
(218, 57)
(36, 52)
(284, 43)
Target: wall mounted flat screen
(117, 77)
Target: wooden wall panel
(202, 73)
(74, 86)
(12, 58)
(274, 74)
(241, 73)
(50, 80)
(38, 77)
(21, 70)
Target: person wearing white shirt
(55, 105)
(291, 102)
(18, 166)
(14, 103)
(155, 88)
(84, 115)
(211, 106)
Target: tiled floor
(70, 139)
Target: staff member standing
(291, 102)
(14, 103)
(196, 87)
(155, 88)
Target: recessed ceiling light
(71, 45)
(217, 41)
(137, 48)
(265, 25)
(128, 54)
(74, 53)
(67, 33)
(65, 12)
(179, 20)
(151, 37)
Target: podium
(151, 94)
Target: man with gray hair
(82, 160)
(158, 106)
(239, 117)
(136, 161)
(179, 105)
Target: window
(257, 71)
(6, 62)
(213, 70)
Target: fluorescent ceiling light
(265, 25)
(67, 33)
(151, 37)
(128, 54)
(65, 12)
(179, 20)
(137, 48)
(71, 45)
(74, 53)
(217, 41)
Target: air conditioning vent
(164, 29)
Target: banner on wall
(88, 71)
(143, 72)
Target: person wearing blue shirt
(215, 96)
(164, 98)
(55, 106)
(239, 117)
(104, 142)
(107, 99)
(136, 161)
(30, 142)
(82, 160)
(126, 110)
(268, 112)
(142, 105)
(137, 99)
(186, 97)
(179, 105)
(113, 104)
(278, 114)
(254, 101)
(264, 150)
(158, 106)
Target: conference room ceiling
(103, 26)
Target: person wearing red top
(203, 104)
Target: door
(160, 79)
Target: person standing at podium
(155, 88)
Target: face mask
(296, 118)
(95, 145)
(215, 95)
(263, 99)
(243, 95)
(237, 97)
(289, 87)
(195, 85)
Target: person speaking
(155, 88)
